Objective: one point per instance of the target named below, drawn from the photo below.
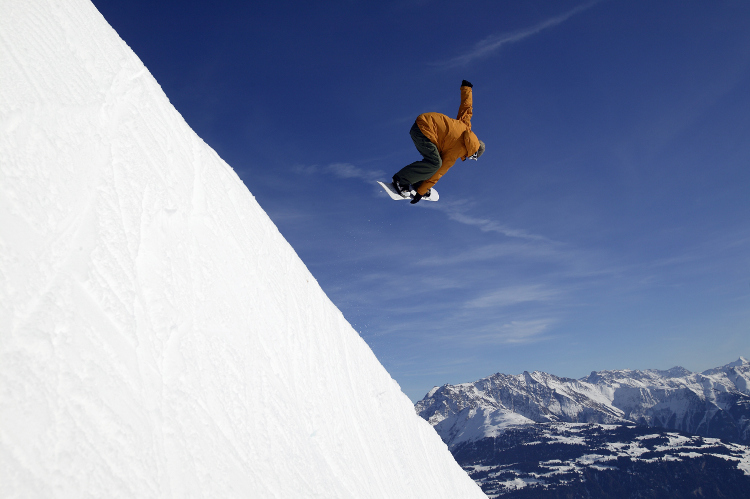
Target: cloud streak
(515, 332)
(524, 331)
(509, 296)
(457, 213)
(493, 43)
(342, 170)
(347, 170)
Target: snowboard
(391, 191)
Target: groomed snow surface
(158, 336)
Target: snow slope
(158, 336)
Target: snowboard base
(391, 191)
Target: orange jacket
(453, 138)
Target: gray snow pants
(418, 171)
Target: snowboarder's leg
(424, 169)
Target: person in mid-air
(441, 141)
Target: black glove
(466, 84)
(416, 199)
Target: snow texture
(158, 336)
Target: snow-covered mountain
(158, 336)
(714, 403)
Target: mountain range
(714, 403)
(619, 433)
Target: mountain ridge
(713, 403)
(617, 433)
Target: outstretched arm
(465, 110)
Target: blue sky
(607, 226)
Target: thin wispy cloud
(348, 170)
(513, 295)
(493, 43)
(515, 332)
(525, 250)
(457, 214)
(342, 170)
(523, 331)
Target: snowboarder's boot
(402, 189)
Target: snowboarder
(441, 141)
